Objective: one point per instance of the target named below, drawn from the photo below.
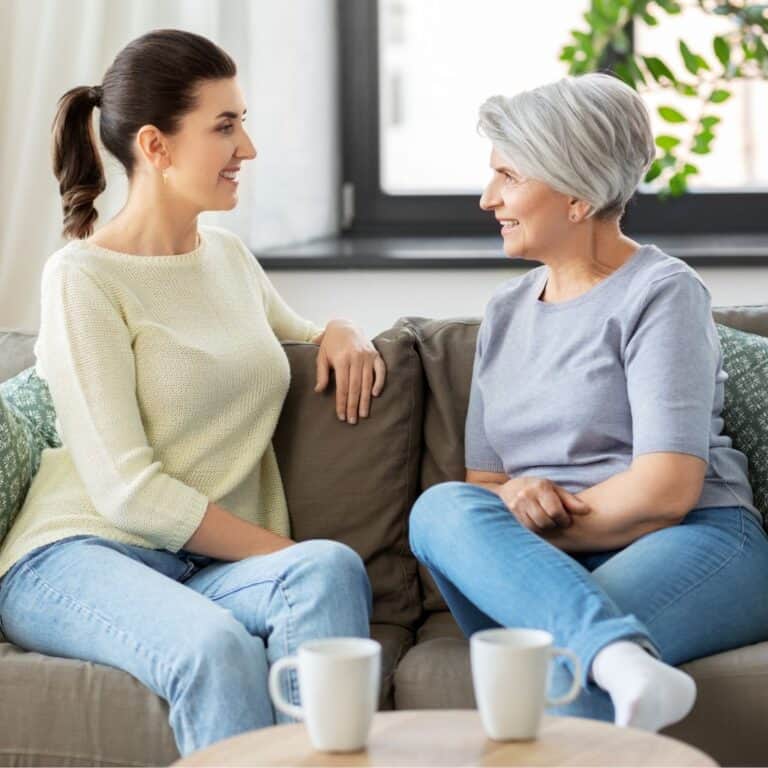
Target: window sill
(357, 252)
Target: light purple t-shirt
(574, 390)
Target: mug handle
(287, 662)
(574, 691)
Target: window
(414, 73)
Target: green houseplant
(742, 53)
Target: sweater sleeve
(287, 324)
(84, 352)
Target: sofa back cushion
(751, 318)
(744, 409)
(446, 349)
(357, 483)
(19, 461)
(16, 353)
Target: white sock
(646, 692)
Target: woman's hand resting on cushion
(359, 369)
(539, 504)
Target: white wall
(375, 299)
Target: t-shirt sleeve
(287, 324)
(671, 363)
(84, 353)
(478, 453)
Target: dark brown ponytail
(152, 81)
(76, 161)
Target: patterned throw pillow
(29, 395)
(17, 464)
(745, 359)
(27, 426)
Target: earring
(165, 177)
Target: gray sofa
(69, 712)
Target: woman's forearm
(225, 536)
(624, 507)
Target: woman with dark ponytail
(156, 539)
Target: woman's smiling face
(533, 216)
(209, 148)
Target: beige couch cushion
(356, 484)
(726, 723)
(750, 318)
(57, 711)
(16, 353)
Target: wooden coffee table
(456, 737)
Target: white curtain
(286, 56)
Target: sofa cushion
(436, 672)
(726, 723)
(19, 461)
(357, 483)
(27, 427)
(30, 396)
(752, 318)
(60, 711)
(745, 412)
(447, 351)
(16, 352)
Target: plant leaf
(649, 19)
(690, 59)
(667, 143)
(658, 69)
(686, 89)
(719, 95)
(677, 184)
(637, 73)
(623, 71)
(722, 50)
(671, 115)
(654, 171)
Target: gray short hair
(587, 136)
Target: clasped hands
(540, 505)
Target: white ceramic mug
(510, 674)
(339, 681)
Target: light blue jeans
(201, 633)
(687, 591)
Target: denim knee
(335, 567)
(217, 642)
(436, 511)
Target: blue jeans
(683, 592)
(201, 633)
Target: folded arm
(657, 491)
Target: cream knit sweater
(168, 378)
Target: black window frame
(375, 213)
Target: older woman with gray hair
(602, 501)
